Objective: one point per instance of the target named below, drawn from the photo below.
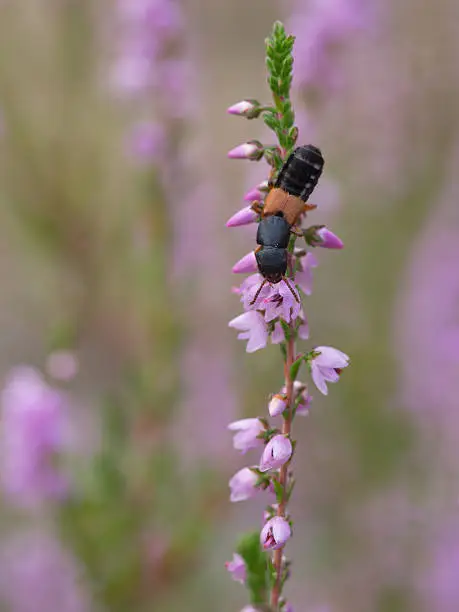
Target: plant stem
(283, 475)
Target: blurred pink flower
(147, 141)
(236, 568)
(38, 575)
(33, 431)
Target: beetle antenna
(258, 292)
(284, 278)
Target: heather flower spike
(274, 308)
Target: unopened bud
(250, 109)
(252, 150)
(321, 236)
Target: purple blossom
(277, 405)
(243, 485)
(323, 237)
(249, 608)
(326, 366)
(147, 141)
(303, 276)
(33, 421)
(275, 300)
(322, 27)
(237, 568)
(248, 263)
(247, 434)
(245, 216)
(277, 336)
(146, 28)
(275, 533)
(38, 575)
(253, 328)
(277, 452)
(252, 150)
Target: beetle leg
(258, 249)
(295, 229)
(257, 207)
(284, 278)
(258, 292)
(308, 207)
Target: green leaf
(256, 565)
(295, 367)
(278, 490)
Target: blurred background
(115, 273)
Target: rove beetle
(283, 206)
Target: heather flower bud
(248, 263)
(248, 432)
(326, 365)
(321, 236)
(245, 216)
(250, 109)
(253, 195)
(275, 533)
(236, 568)
(277, 452)
(277, 405)
(253, 150)
(243, 485)
(264, 186)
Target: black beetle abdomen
(273, 231)
(301, 172)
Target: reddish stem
(283, 475)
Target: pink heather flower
(33, 423)
(249, 608)
(252, 150)
(247, 434)
(37, 574)
(147, 140)
(236, 568)
(248, 263)
(303, 276)
(277, 452)
(287, 608)
(304, 404)
(303, 329)
(62, 365)
(245, 216)
(277, 405)
(275, 300)
(253, 328)
(277, 336)
(245, 108)
(275, 533)
(326, 366)
(243, 485)
(253, 195)
(326, 239)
